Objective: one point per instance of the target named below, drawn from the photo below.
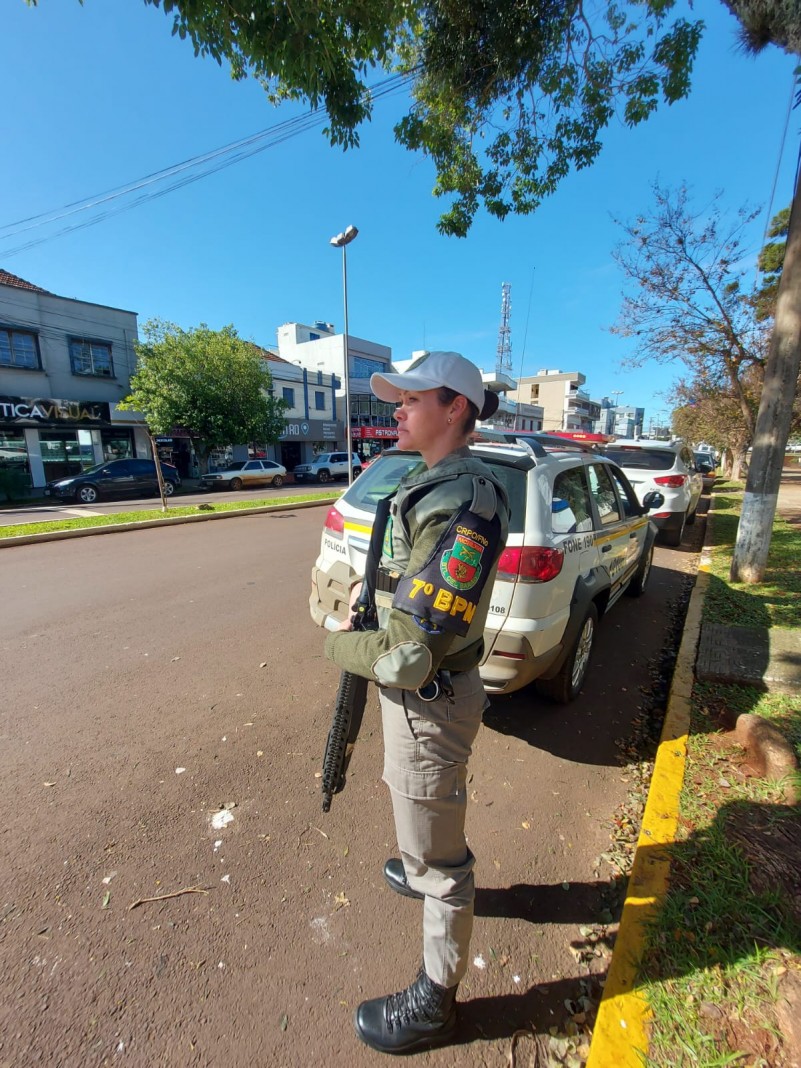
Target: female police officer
(445, 532)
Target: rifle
(351, 697)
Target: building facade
(64, 366)
(565, 405)
(620, 420)
(319, 350)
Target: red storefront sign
(371, 433)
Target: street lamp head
(345, 238)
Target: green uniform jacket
(436, 574)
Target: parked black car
(115, 478)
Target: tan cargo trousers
(426, 748)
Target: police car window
(604, 495)
(630, 503)
(514, 482)
(571, 510)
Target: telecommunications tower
(503, 362)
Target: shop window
(319, 401)
(91, 358)
(15, 474)
(19, 348)
(65, 452)
(117, 444)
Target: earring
(449, 419)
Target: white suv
(669, 467)
(578, 538)
(327, 466)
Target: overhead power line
(190, 171)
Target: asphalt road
(157, 684)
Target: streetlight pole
(342, 241)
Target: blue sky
(100, 95)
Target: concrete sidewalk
(767, 658)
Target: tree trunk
(202, 453)
(775, 414)
(739, 463)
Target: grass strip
(728, 932)
(173, 511)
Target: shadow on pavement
(749, 901)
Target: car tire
(323, 476)
(566, 685)
(87, 494)
(235, 484)
(691, 516)
(673, 537)
(278, 481)
(169, 487)
(637, 586)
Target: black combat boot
(395, 875)
(421, 1016)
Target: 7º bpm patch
(459, 560)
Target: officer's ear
(459, 408)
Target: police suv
(578, 539)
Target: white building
(64, 366)
(310, 420)
(318, 350)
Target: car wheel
(691, 516)
(87, 494)
(636, 588)
(673, 537)
(169, 488)
(324, 476)
(235, 484)
(278, 481)
(567, 684)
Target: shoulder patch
(444, 594)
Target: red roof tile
(8, 279)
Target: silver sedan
(245, 473)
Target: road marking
(80, 511)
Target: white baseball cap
(435, 369)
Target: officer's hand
(347, 624)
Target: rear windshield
(645, 459)
(383, 475)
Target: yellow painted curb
(620, 1037)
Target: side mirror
(653, 499)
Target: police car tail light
(674, 481)
(530, 563)
(335, 522)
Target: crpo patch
(446, 591)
